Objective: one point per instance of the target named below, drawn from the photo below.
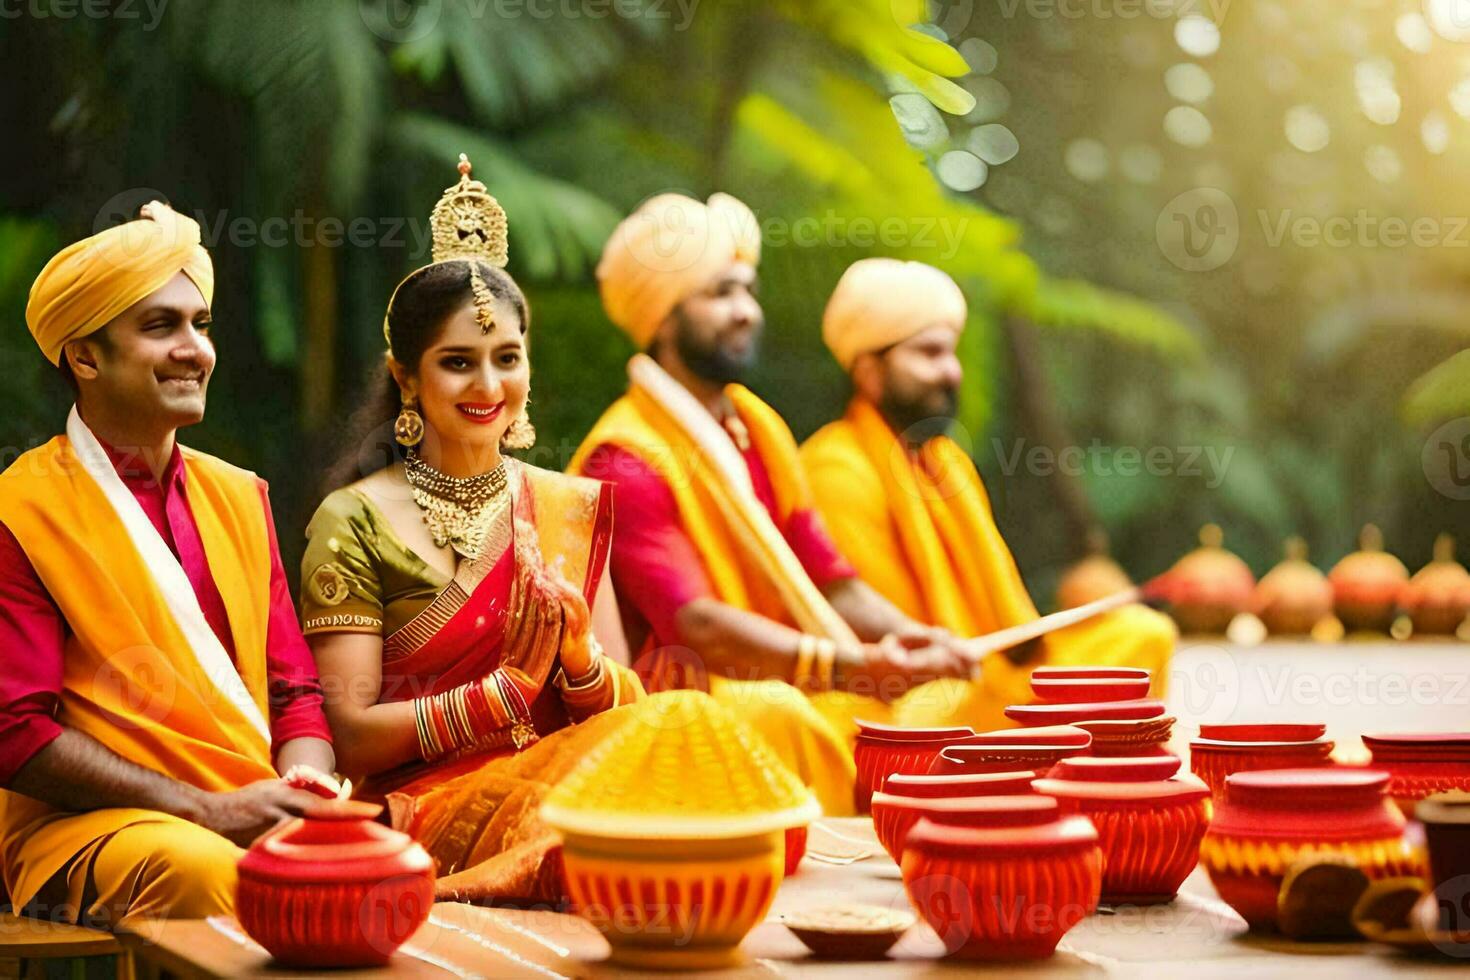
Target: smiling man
(726, 577)
(153, 679)
(906, 504)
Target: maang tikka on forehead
(468, 225)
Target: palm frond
(512, 66)
(1440, 393)
(557, 229)
(1071, 304)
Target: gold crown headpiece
(466, 224)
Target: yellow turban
(667, 250)
(882, 302)
(88, 283)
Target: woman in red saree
(456, 599)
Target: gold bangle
(586, 682)
(806, 649)
(826, 654)
(420, 724)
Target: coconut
(1366, 584)
(1095, 577)
(1437, 598)
(1210, 586)
(1295, 596)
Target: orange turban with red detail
(667, 250)
(88, 283)
(882, 302)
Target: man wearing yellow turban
(153, 679)
(906, 504)
(726, 576)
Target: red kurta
(33, 631)
(656, 569)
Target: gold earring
(408, 428)
(520, 435)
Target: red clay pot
(1269, 819)
(1089, 673)
(1005, 879)
(897, 733)
(1420, 764)
(1031, 715)
(1148, 819)
(959, 760)
(908, 798)
(1262, 732)
(1213, 759)
(1084, 690)
(1113, 739)
(1040, 735)
(882, 750)
(334, 892)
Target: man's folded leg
(164, 869)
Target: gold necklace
(457, 509)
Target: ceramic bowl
(1149, 821)
(1031, 715)
(1085, 690)
(1270, 819)
(1420, 764)
(1146, 736)
(1214, 759)
(959, 760)
(908, 798)
(1005, 879)
(334, 892)
(878, 758)
(849, 932)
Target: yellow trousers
(154, 869)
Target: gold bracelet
(420, 724)
(806, 649)
(586, 682)
(826, 654)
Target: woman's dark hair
(416, 316)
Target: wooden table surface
(1351, 686)
(1197, 937)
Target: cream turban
(882, 302)
(667, 250)
(87, 284)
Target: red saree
(515, 609)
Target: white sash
(168, 574)
(747, 516)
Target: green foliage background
(319, 111)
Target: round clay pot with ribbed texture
(1149, 821)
